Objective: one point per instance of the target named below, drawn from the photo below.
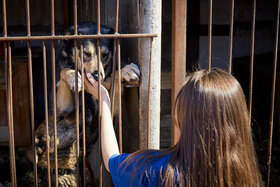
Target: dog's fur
(66, 121)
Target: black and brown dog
(66, 121)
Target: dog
(66, 86)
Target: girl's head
(215, 146)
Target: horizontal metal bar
(71, 37)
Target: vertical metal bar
(231, 36)
(54, 92)
(75, 17)
(4, 19)
(112, 91)
(46, 111)
(9, 98)
(210, 34)
(99, 92)
(149, 93)
(114, 58)
(120, 96)
(252, 60)
(10, 116)
(54, 113)
(76, 90)
(179, 24)
(273, 95)
(83, 115)
(31, 92)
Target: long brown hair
(215, 146)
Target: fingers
(91, 79)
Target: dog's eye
(87, 54)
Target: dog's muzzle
(95, 75)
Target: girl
(215, 147)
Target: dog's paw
(72, 82)
(131, 75)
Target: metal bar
(28, 18)
(31, 92)
(210, 35)
(83, 115)
(252, 61)
(54, 93)
(10, 115)
(46, 111)
(53, 19)
(54, 113)
(273, 95)
(4, 19)
(117, 17)
(72, 37)
(120, 96)
(75, 17)
(9, 98)
(179, 17)
(231, 36)
(76, 92)
(112, 94)
(99, 92)
(149, 94)
(77, 109)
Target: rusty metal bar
(231, 35)
(31, 92)
(99, 92)
(53, 19)
(72, 37)
(75, 17)
(179, 17)
(120, 96)
(77, 109)
(83, 115)
(149, 94)
(112, 91)
(252, 60)
(9, 98)
(76, 92)
(10, 115)
(54, 93)
(54, 113)
(4, 19)
(112, 94)
(210, 34)
(273, 95)
(46, 111)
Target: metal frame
(8, 64)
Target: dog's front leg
(65, 88)
(130, 77)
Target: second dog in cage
(66, 121)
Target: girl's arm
(109, 144)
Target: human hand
(92, 88)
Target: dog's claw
(72, 81)
(131, 74)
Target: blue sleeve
(119, 177)
(123, 177)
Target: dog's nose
(95, 75)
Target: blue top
(123, 177)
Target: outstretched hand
(92, 88)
